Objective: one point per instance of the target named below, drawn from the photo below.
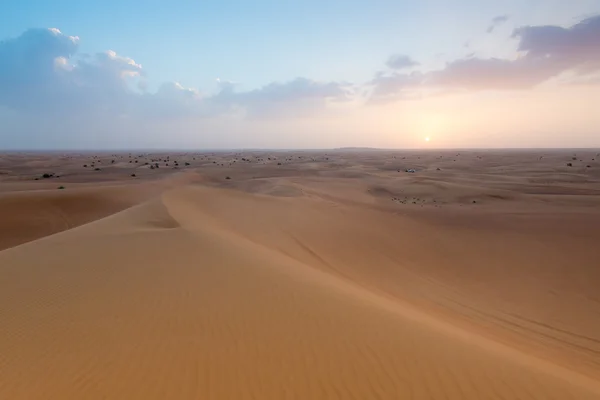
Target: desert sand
(300, 275)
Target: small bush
(227, 177)
(61, 187)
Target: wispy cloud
(395, 86)
(497, 21)
(300, 96)
(400, 61)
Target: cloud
(298, 89)
(28, 66)
(400, 61)
(300, 96)
(585, 81)
(493, 73)
(395, 86)
(500, 19)
(171, 100)
(176, 91)
(577, 47)
(545, 52)
(42, 72)
(497, 21)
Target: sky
(228, 74)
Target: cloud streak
(400, 61)
(300, 96)
(497, 21)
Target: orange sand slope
(30, 214)
(211, 293)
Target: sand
(305, 275)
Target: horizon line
(238, 149)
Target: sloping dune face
(210, 293)
(35, 211)
(27, 216)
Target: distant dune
(300, 275)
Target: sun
(427, 139)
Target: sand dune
(301, 285)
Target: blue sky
(252, 42)
(336, 49)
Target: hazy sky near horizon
(310, 74)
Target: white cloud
(58, 33)
(61, 63)
(42, 72)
